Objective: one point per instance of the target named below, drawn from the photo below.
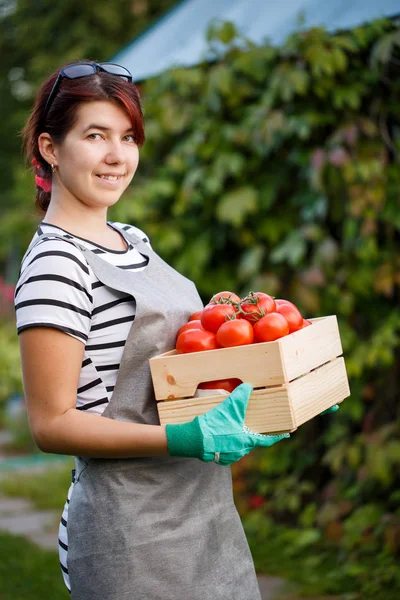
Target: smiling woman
(63, 117)
(144, 517)
(94, 164)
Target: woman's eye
(97, 136)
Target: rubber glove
(219, 435)
(332, 409)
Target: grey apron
(157, 528)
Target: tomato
(220, 384)
(256, 305)
(292, 316)
(282, 301)
(195, 340)
(196, 315)
(215, 314)
(271, 327)
(305, 323)
(195, 324)
(224, 297)
(236, 332)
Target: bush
(10, 364)
(276, 169)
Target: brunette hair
(62, 113)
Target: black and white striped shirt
(58, 289)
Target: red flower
(256, 500)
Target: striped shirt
(58, 289)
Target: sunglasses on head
(84, 69)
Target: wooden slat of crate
(275, 409)
(310, 347)
(272, 363)
(318, 390)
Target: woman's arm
(51, 365)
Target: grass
(29, 572)
(46, 490)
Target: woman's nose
(115, 154)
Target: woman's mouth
(110, 177)
(111, 182)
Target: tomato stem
(223, 300)
(251, 298)
(230, 317)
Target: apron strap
(132, 237)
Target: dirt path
(18, 517)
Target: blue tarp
(178, 39)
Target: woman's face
(98, 157)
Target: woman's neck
(88, 224)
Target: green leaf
(383, 49)
(308, 537)
(291, 250)
(250, 262)
(227, 32)
(235, 206)
(392, 451)
(377, 463)
(221, 31)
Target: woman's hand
(219, 435)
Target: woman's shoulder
(54, 288)
(53, 254)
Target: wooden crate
(295, 378)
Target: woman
(144, 517)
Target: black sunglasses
(84, 69)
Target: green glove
(219, 435)
(332, 409)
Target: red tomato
(305, 323)
(224, 297)
(256, 305)
(195, 324)
(292, 316)
(270, 328)
(195, 340)
(196, 315)
(236, 332)
(214, 315)
(220, 384)
(282, 301)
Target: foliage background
(277, 170)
